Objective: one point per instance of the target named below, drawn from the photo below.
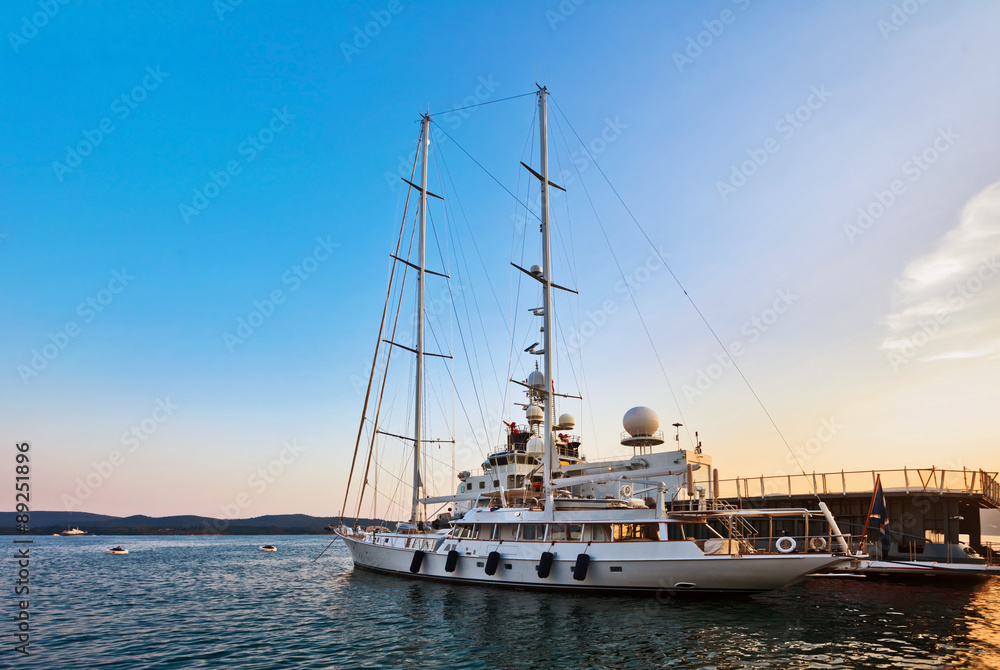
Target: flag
(879, 515)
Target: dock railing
(905, 480)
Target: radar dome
(536, 269)
(566, 421)
(536, 445)
(641, 422)
(536, 379)
(534, 414)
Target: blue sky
(303, 126)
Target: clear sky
(822, 177)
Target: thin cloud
(947, 303)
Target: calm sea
(196, 602)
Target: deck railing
(920, 480)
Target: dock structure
(926, 505)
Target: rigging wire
(378, 344)
(481, 104)
(481, 167)
(691, 300)
(631, 295)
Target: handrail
(928, 480)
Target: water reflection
(204, 602)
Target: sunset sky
(822, 178)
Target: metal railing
(920, 480)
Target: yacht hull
(614, 567)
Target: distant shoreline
(54, 523)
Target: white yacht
(541, 516)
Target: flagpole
(868, 519)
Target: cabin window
(533, 532)
(510, 481)
(519, 481)
(557, 532)
(574, 532)
(625, 532)
(500, 460)
(600, 532)
(496, 483)
(482, 485)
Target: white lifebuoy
(627, 491)
(785, 545)
(817, 543)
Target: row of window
(560, 532)
(513, 482)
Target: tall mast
(546, 306)
(417, 432)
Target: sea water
(201, 602)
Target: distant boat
(72, 532)
(118, 551)
(269, 547)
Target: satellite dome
(566, 421)
(536, 445)
(536, 269)
(536, 379)
(641, 422)
(534, 414)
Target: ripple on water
(199, 602)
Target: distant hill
(48, 523)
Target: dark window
(575, 530)
(482, 485)
(533, 532)
(616, 568)
(508, 566)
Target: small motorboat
(269, 547)
(118, 551)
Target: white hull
(650, 566)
